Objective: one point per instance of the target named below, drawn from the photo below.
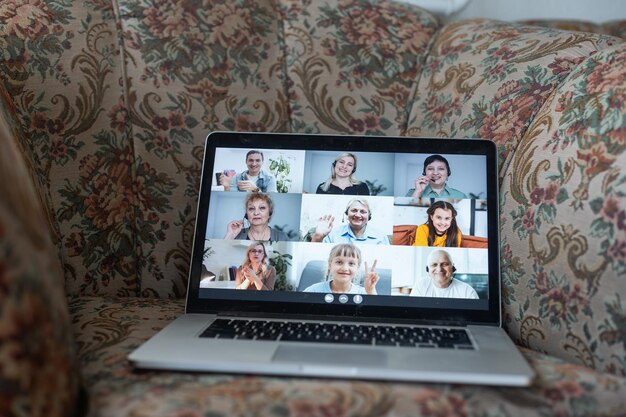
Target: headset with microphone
(245, 216)
(434, 158)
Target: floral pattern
(486, 79)
(565, 206)
(341, 75)
(37, 347)
(114, 146)
(109, 329)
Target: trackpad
(322, 355)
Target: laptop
(344, 256)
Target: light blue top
(324, 287)
(265, 181)
(344, 234)
(447, 192)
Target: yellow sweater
(421, 237)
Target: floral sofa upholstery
(105, 106)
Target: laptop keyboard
(360, 334)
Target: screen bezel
(250, 304)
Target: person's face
(437, 173)
(256, 254)
(441, 220)
(254, 162)
(343, 269)
(440, 269)
(258, 212)
(358, 215)
(344, 166)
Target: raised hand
(371, 278)
(420, 184)
(323, 228)
(233, 229)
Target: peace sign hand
(371, 278)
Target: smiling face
(258, 212)
(437, 173)
(343, 269)
(256, 254)
(441, 219)
(254, 162)
(344, 167)
(358, 215)
(440, 269)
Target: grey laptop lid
(276, 195)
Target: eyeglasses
(256, 251)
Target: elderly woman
(259, 208)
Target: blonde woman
(342, 180)
(255, 273)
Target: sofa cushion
(109, 329)
(488, 79)
(37, 349)
(352, 65)
(563, 221)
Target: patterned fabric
(569, 25)
(37, 349)
(615, 28)
(564, 221)
(486, 79)
(109, 329)
(114, 141)
(352, 64)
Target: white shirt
(457, 289)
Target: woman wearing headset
(440, 229)
(259, 209)
(341, 180)
(255, 273)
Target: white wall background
(315, 206)
(407, 214)
(372, 166)
(236, 159)
(598, 11)
(469, 173)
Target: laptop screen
(339, 225)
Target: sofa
(105, 107)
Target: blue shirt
(447, 192)
(344, 234)
(266, 182)
(324, 287)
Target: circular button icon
(343, 298)
(358, 299)
(329, 298)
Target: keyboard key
(404, 336)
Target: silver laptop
(344, 256)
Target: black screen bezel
(303, 308)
